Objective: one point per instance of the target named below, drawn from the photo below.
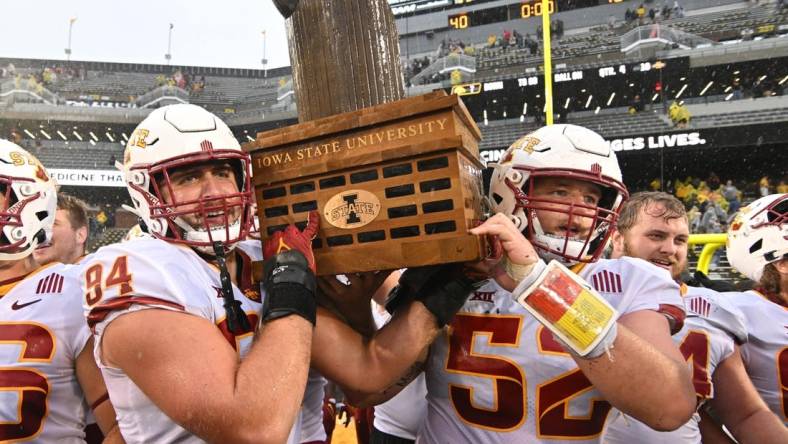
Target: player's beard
(676, 268)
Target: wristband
(573, 311)
(289, 287)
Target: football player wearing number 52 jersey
(653, 226)
(499, 374)
(47, 372)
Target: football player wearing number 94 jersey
(498, 374)
(47, 372)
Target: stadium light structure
(62, 136)
(264, 60)
(45, 134)
(168, 56)
(32, 136)
(70, 27)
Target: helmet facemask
(18, 233)
(572, 245)
(202, 221)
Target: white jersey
(766, 353)
(312, 429)
(710, 330)
(403, 414)
(498, 376)
(42, 331)
(170, 277)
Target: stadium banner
(721, 137)
(87, 178)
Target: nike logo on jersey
(484, 296)
(607, 282)
(17, 306)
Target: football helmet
(178, 136)
(559, 151)
(758, 235)
(27, 211)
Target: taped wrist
(289, 287)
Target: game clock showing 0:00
(528, 9)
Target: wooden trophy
(397, 183)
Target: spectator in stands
(69, 233)
(636, 105)
(731, 194)
(782, 188)
(456, 77)
(517, 39)
(531, 44)
(713, 181)
(491, 39)
(665, 12)
(652, 14)
(678, 10)
(629, 16)
(679, 115)
(713, 218)
(763, 186)
(641, 14)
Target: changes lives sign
(87, 178)
(671, 140)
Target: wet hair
(770, 280)
(75, 208)
(655, 203)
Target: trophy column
(345, 56)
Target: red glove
(294, 239)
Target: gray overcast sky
(226, 33)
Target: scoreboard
(524, 10)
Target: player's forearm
(113, 436)
(370, 366)
(279, 362)
(642, 382)
(761, 427)
(397, 351)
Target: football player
(69, 233)
(653, 226)
(47, 371)
(171, 312)
(758, 248)
(499, 374)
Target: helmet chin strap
(237, 322)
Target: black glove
(289, 286)
(443, 289)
